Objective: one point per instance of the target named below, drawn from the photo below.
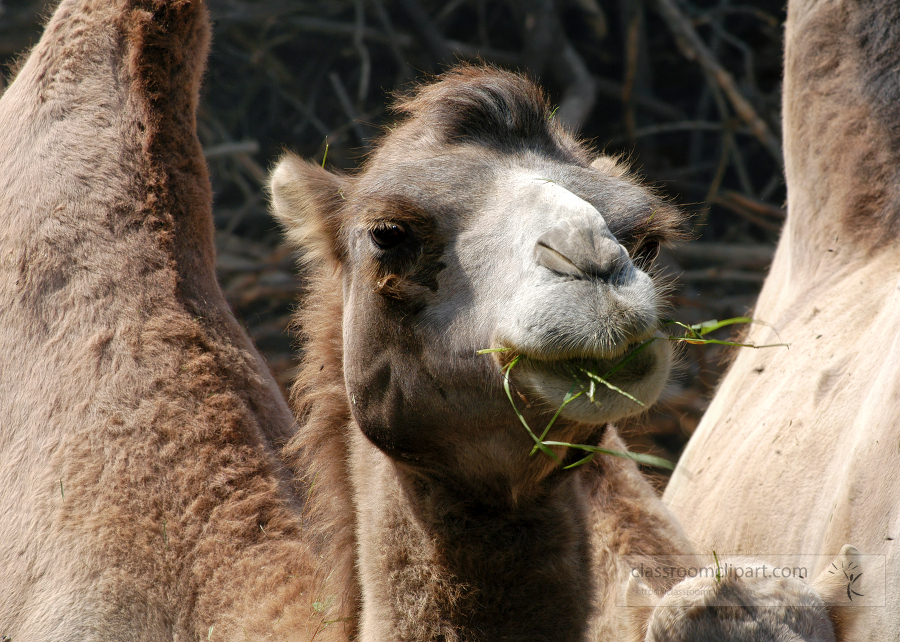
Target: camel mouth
(609, 385)
(631, 363)
(617, 361)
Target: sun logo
(852, 574)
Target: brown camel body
(141, 493)
(811, 432)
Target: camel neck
(433, 561)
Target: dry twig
(693, 48)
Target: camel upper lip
(612, 357)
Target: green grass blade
(538, 443)
(713, 325)
(648, 460)
(600, 379)
(566, 401)
(699, 342)
(689, 331)
(631, 355)
(580, 462)
(492, 350)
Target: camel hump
(124, 376)
(98, 142)
(841, 112)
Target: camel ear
(640, 600)
(610, 165)
(308, 200)
(639, 595)
(840, 587)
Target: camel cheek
(379, 371)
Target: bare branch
(429, 34)
(231, 149)
(344, 99)
(693, 48)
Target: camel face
(535, 269)
(553, 283)
(456, 238)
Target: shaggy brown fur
(520, 552)
(141, 493)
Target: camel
(811, 432)
(141, 491)
(146, 491)
(478, 222)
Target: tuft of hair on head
(308, 201)
(489, 106)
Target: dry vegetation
(688, 90)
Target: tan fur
(143, 494)
(141, 491)
(797, 453)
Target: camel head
(747, 604)
(479, 222)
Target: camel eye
(387, 236)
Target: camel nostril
(580, 254)
(555, 261)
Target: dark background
(688, 91)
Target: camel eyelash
(388, 235)
(396, 247)
(645, 250)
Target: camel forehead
(534, 191)
(468, 182)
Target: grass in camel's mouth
(586, 377)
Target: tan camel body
(142, 491)
(798, 452)
(141, 495)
